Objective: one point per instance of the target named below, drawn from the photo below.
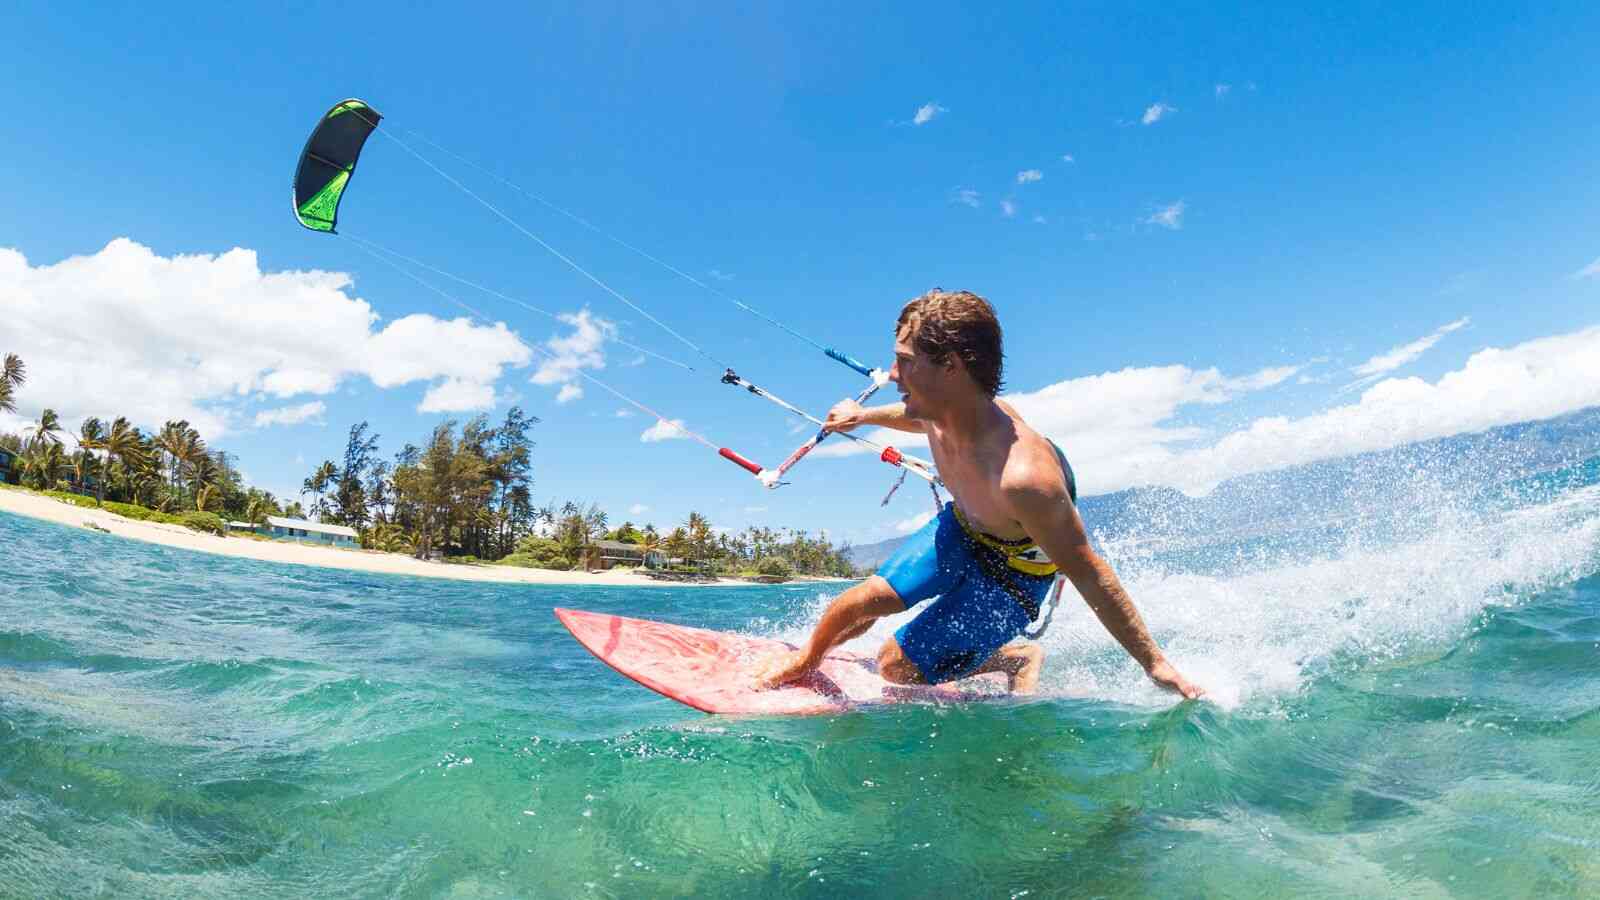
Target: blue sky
(1193, 225)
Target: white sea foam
(1280, 619)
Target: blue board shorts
(975, 614)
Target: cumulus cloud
(664, 430)
(1170, 217)
(926, 113)
(1029, 175)
(1592, 270)
(1008, 208)
(1387, 362)
(1155, 112)
(290, 415)
(124, 331)
(638, 509)
(566, 355)
(1121, 429)
(1113, 413)
(457, 395)
(966, 196)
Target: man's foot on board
(782, 668)
(1025, 679)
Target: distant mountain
(1379, 481)
(871, 556)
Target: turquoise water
(1416, 714)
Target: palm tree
(649, 542)
(13, 374)
(170, 439)
(204, 473)
(41, 463)
(47, 428)
(318, 484)
(91, 437)
(124, 444)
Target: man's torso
(974, 468)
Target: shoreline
(23, 502)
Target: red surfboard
(714, 671)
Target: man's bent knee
(894, 667)
(875, 597)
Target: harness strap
(1000, 558)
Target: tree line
(169, 471)
(464, 493)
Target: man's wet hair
(959, 323)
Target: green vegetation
(132, 473)
(208, 522)
(464, 495)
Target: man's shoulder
(1031, 467)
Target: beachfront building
(304, 532)
(10, 472)
(610, 554)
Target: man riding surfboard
(1014, 496)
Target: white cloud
(967, 196)
(1155, 112)
(1008, 208)
(124, 331)
(926, 113)
(290, 415)
(1029, 175)
(1393, 359)
(1067, 158)
(457, 395)
(720, 275)
(638, 509)
(1592, 270)
(1222, 90)
(1120, 428)
(1170, 217)
(906, 526)
(1538, 379)
(624, 413)
(664, 430)
(1107, 414)
(566, 355)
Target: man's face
(919, 378)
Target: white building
(302, 531)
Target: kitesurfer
(992, 554)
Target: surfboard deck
(714, 671)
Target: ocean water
(1406, 702)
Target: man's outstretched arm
(848, 415)
(1052, 520)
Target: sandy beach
(25, 503)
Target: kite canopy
(328, 162)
